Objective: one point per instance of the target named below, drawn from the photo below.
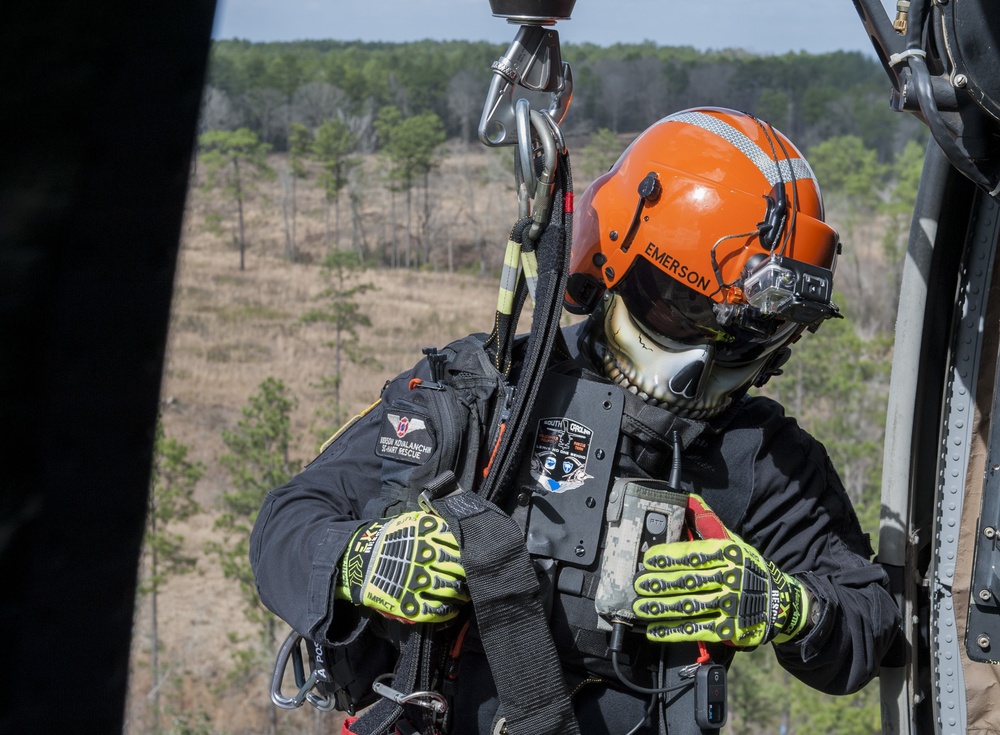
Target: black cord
(645, 718)
(953, 150)
(790, 230)
(645, 690)
(656, 698)
(618, 629)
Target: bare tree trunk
(326, 226)
(358, 228)
(293, 256)
(409, 215)
(427, 219)
(287, 204)
(336, 209)
(392, 233)
(239, 211)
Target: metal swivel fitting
(902, 16)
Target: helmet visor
(663, 306)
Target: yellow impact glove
(407, 567)
(715, 590)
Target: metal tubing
(913, 425)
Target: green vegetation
(402, 101)
(766, 698)
(332, 147)
(600, 153)
(235, 161)
(811, 97)
(410, 144)
(171, 499)
(846, 165)
(342, 313)
(257, 461)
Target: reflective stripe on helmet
(774, 171)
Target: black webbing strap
(382, 716)
(512, 623)
(513, 627)
(553, 268)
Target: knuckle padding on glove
(726, 591)
(406, 566)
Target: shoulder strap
(513, 626)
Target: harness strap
(512, 624)
(382, 716)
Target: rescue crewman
(701, 256)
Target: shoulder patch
(405, 437)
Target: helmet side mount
(585, 289)
(649, 191)
(770, 229)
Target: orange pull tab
(493, 454)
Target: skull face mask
(695, 380)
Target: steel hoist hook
(533, 61)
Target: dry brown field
(230, 329)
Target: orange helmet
(709, 232)
(697, 195)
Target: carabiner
(546, 180)
(291, 649)
(524, 146)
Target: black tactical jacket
(769, 481)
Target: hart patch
(405, 437)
